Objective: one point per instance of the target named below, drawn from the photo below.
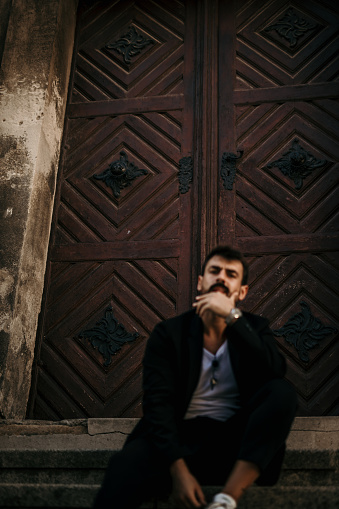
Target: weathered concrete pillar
(36, 61)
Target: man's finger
(201, 496)
(235, 297)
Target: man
(216, 408)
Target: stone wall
(36, 49)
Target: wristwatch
(235, 313)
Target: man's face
(223, 276)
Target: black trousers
(256, 433)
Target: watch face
(234, 315)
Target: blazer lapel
(195, 347)
(234, 357)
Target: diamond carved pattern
(102, 73)
(268, 201)
(130, 44)
(120, 174)
(313, 348)
(131, 215)
(297, 164)
(284, 47)
(108, 336)
(292, 26)
(304, 331)
(74, 369)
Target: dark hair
(228, 253)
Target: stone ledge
(103, 426)
(307, 433)
(111, 441)
(326, 423)
(11, 427)
(97, 426)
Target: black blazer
(172, 365)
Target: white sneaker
(217, 505)
(222, 501)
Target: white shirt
(223, 400)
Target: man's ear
(243, 292)
(199, 283)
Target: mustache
(219, 285)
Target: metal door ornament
(120, 174)
(229, 168)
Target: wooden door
(120, 250)
(226, 113)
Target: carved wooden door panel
(286, 187)
(121, 243)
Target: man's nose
(222, 276)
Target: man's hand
(217, 302)
(186, 490)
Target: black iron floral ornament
(292, 26)
(297, 164)
(130, 44)
(108, 336)
(304, 331)
(120, 174)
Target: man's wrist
(233, 316)
(178, 467)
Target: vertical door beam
(206, 130)
(186, 269)
(227, 137)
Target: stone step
(79, 496)
(307, 468)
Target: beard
(216, 287)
